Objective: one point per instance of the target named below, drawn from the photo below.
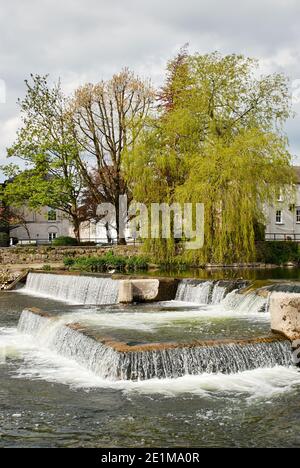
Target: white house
(39, 227)
(283, 219)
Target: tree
(46, 145)
(109, 117)
(217, 139)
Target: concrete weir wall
(147, 290)
(285, 314)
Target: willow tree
(109, 117)
(221, 142)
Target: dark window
(52, 236)
(279, 217)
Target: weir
(227, 293)
(120, 361)
(73, 288)
(95, 290)
(206, 292)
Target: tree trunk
(76, 229)
(120, 224)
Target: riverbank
(15, 260)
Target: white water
(252, 303)
(169, 363)
(40, 363)
(72, 288)
(194, 292)
(205, 292)
(210, 292)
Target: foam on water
(224, 293)
(163, 363)
(72, 288)
(251, 303)
(43, 364)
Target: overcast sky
(88, 40)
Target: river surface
(50, 401)
(276, 273)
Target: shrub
(115, 261)
(46, 268)
(137, 263)
(107, 262)
(68, 262)
(64, 241)
(278, 252)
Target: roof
(297, 170)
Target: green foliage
(64, 241)
(137, 263)
(107, 262)
(217, 139)
(46, 143)
(68, 261)
(278, 252)
(46, 267)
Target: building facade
(39, 227)
(283, 218)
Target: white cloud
(86, 41)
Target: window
(51, 215)
(298, 214)
(278, 217)
(52, 236)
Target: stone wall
(48, 254)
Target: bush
(115, 261)
(68, 262)
(278, 252)
(137, 263)
(64, 241)
(46, 268)
(107, 262)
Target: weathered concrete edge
(21, 279)
(285, 314)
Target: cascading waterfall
(205, 292)
(251, 303)
(109, 363)
(226, 293)
(76, 289)
(223, 358)
(190, 291)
